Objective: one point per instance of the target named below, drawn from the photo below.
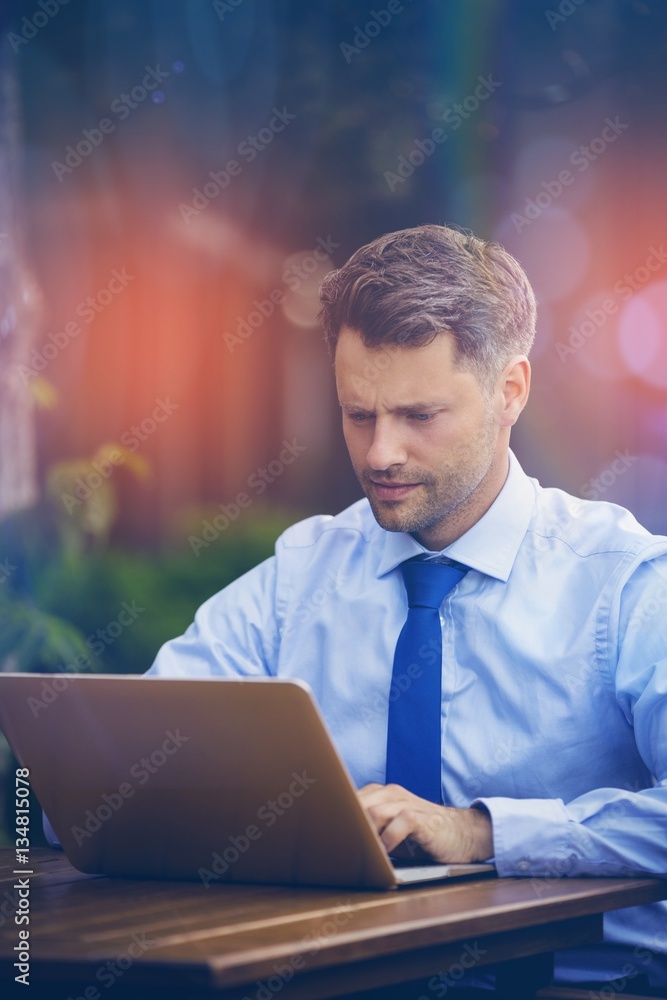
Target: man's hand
(442, 833)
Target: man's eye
(358, 417)
(423, 417)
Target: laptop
(218, 780)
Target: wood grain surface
(229, 939)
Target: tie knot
(427, 583)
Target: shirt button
(523, 866)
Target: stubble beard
(437, 498)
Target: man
(544, 741)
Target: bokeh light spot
(553, 249)
(537, 169)
(591, 334)
(642, 334)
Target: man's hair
(407, 287)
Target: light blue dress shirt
(554, 680)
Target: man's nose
(387, 448)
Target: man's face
(422, 436)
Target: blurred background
(176, 177)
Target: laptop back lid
(222, 780)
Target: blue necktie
(414, 747)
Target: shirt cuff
(530, 836)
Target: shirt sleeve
(234, 634)
(607, 831)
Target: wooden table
(178, 939)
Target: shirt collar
(491, 545)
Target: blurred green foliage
(57, 605)
(64, 585)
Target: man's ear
(514, 388)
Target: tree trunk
(19, 300)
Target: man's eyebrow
(421, 406)
(416, 407)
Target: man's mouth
(392, 491)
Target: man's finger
(374, 794)
(382, 813)
(403, 825)
(369, 790)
